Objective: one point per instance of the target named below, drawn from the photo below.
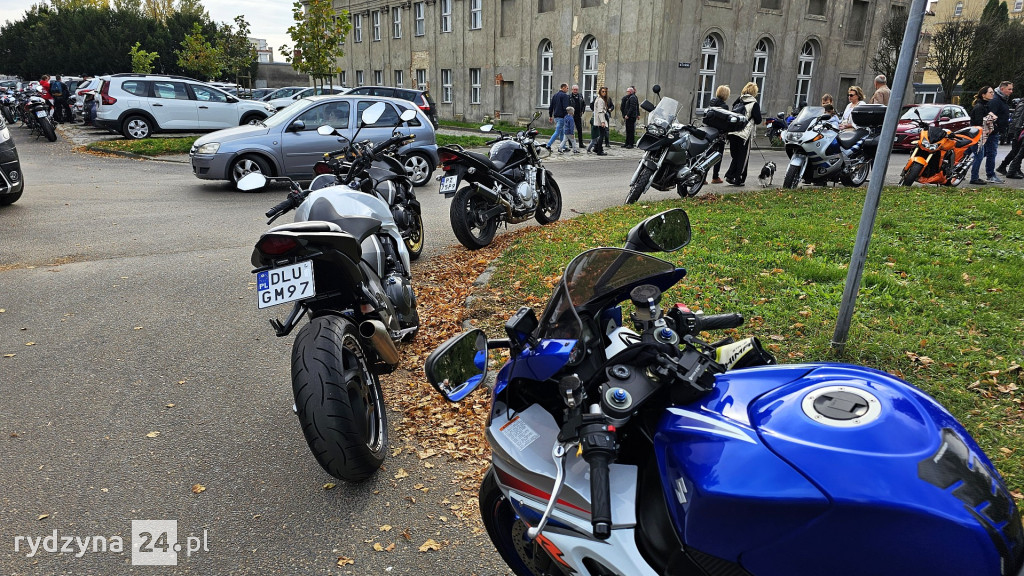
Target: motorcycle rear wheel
(46, 126)
(858, 177)
(688, 191)
(549, 207)
(792, 179)
(910, 175)
(466, 213)
(8, 115)
(960, 170)
(508, 533)
(414, 243)
(338, 399)
(643, 182)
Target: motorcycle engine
(399, 291)
(526, 191)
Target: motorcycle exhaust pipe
(709, 161)
(377, 334)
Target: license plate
(41, 113)
(285, 284)
(449, 184)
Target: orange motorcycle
(942, 156)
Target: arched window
(708, 67)
(547, 57)
(804, 70)
(589, 68)
(760, 70)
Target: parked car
(78, 95)
(259, 93)
(287, 143)
(138, 105)
(11, 181)
(949, 116)
(418, 97)
(281, 103)
(282, 92)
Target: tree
(238, 54)
(318, 34)
(198, 55)
(142, 61)
(987, 51)
(884, 61)
(75, 4)
(950, 50)
(158, 9)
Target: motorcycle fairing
(752, 478)
(651, 142)
(536, 364)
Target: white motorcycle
(820, 153)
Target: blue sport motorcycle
(647, 451)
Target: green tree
(238, 53)
(158, 9)
(950, 50)
(142, 61)
(318, 34)
(987, 49)
(76, 4)
(198, 55)
(884, 61)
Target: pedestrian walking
(578, 104)
(721, 100)
(602, 116)
(739, 141)
(630, 112)
(1016, 126)
(556, 114)
(569, 128)
(983, 117)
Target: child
(570, 131)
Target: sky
(268, 19)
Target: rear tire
(857, 178)
(911, 174)
(467, 205)
(792, 179)
(643, 181)
(136, 128)
(686, 192)
(338, 399)
(414, 243)
(46, 126)
(549, 208)
(508, 533)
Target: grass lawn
(940, 302)
(181, 145)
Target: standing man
(578, 105)
(882, 92)
(59, 91)
(556, 114)
(998, 105)
(630, 112)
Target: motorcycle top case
(833, 469)
(868, 115)
(724, 120)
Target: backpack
(56, 88)
(740, 107)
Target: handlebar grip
(282, 207)
(600, 495)
(719, 321)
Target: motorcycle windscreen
(805, 118)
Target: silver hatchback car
(287, 143)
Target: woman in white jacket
(739, 141)
(602, 107)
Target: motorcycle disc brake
(530, 552)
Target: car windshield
(286, 115)
(595, 275)
(927, 114)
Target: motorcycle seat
(485, 160)
(360, 227)
(850, 137)
(965, 136)
(710, 133)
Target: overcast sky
(268, 19)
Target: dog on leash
(767, 174)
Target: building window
(421, 19)
(858, 21)
(771, 4)
(396, 19)
(760, 71)
(378, 77)
(474, 85)
(446, 15)
(545, 6)
(446, 85)
(590, 3)
(590, 69)
(359, 78)
(476, 14)
(421, 78)
(816, 7)
(1018, 5)
(708, 68)
(399, 79)
(547, 57)
(357, 27)
(375, 16)
(804, 70)
(959, 10)
(344, 78)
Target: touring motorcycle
(820, 153)
(646, 451)
(343, 262)
(942, 156)
(510, 185)
(679, 155)
(378, 171)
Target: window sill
(817, 17)
(770, 11)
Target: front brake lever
(558, 453)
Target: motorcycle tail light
(274, 245)
(445, 156)
(321, 168)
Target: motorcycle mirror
(408, 115)
(647, 105)
(325, 130)
(665, 232)
(458, 366)
(656, 88)
(487, 127)
(536, 115)
(373, 113)
(251, 181)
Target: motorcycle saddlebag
(724, 120)
(868, 115)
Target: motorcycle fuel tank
(834, 469)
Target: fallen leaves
(345, 561)
(198, 488)
(430, 544)
(43, 517)
(152, 434)
(330, 486)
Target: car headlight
(914, 130)
(210, 148)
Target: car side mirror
(297, 126)
(647, 105)
(665, 232)
(232, 100)
(944, 119)
(458, 366)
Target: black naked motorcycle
(378, 170)
(343, 263)
(510, 185)
(36, 114)
(679, 155)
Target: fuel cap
(841, 406)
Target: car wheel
(250, 119)
(136, 128)
(419, 168)
(245, 164)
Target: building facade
(507, 57)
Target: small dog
(767, 174)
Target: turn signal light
(273, 245)
(321, 168)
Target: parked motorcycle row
(31, 109)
